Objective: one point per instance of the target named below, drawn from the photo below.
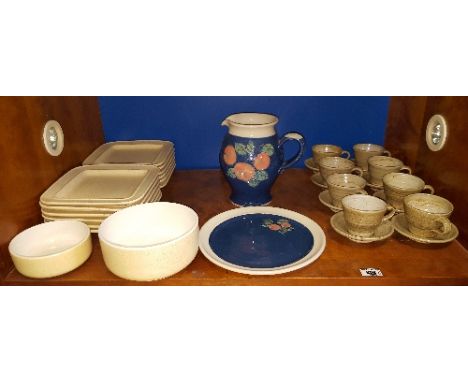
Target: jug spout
(251, 125)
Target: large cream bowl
(150, 241)
(51, 249)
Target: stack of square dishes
(156, 153)
(92, 193)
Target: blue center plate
(261, 240)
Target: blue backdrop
(193, 123)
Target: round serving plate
(261, 240)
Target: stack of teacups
(92, 193)
(364, 218)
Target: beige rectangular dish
(153, 194)
(166, 170)
(145, 152)
(101, 185)
(166, 176)
(71, 212)
(90, 221)
(94, 221)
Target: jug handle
(292, 136)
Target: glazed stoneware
(401, 226)
(364, 151)
(252, 156)
(428, 215)
(364, 213)
(311, 165)
(318, 180)
(398, 185)
(326, 200)
(261, 240)
(150, 241)
(337, 165)
(381, 165)
(51, 249)
(382, 232)
(326, 150)
(341, 185)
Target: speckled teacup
(326, 150)
(337, 165)
(364, 151)
(364, 213)
(341, 185)
(381, 165)
(398, 185)
(428, 215)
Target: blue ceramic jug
(252, 156)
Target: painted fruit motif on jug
(237, 158)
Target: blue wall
(193, 123)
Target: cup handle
(348, 155)
(387, 153)
(428, 188)
(446, 226)
(292, 136)
(358, 170)
(391, 212)
(406, 169)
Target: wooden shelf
(402, 261)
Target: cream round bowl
(51, 249)
(150, 241)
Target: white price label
(371, 272)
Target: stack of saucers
(92, 193)
(157, 153)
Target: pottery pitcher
(252, 156)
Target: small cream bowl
(51, 249)
(150, 241)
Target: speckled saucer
(384, 230)
(401, 225)
(318, 180)
(326, 200)
(310, 164)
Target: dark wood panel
(402, 261)
(403, 133)
(446, 170)
(26, 168)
